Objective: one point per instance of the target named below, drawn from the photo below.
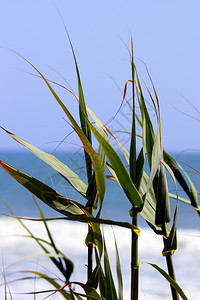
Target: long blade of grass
(53, 162)
(119, 272)
(190, 189)
(89, 291)
(53, 283)
(50, 197)
(132, 162)
(110, 286)
(46, 226)
(43, 192)
(92, 190)
(88, 218)
(69, 265)
(82, 114)
(170, 280)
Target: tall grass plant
(147, 192)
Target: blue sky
(166, 37)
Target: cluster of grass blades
(147, 192)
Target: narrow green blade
(110, 286)
(190, 189)
(53, 162)
(83, 115)
(170, 280)
(43, 192)
(53, 282)
(132, 162)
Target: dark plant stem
(170, 267)
(90, 256)
(90, 252)
(134, 262)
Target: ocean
(19, 253)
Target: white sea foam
(69, 238)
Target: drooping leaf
(50, 197)
(170, 280)
(43, 192)
(67, 271)
(190, 189)
(89, 291)
(65, 265)
(53, 282)
(53, 162)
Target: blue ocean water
(116, 205)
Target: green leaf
(53, 283)
(68, 266)
(67, 271)
(139, 168)
(82, 106)
(132, 162)
(43, 192)
(98, 168)
(92, 189)
(163, 212)
(94, 236)
(110, 286)
(190, 189)
(119, 272)
(53, 162)
(83, 115)
(148, 135)
(170, 280)
(89, 291)
(171, 241)
(50, 197)
(149, 209)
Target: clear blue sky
(166, 37)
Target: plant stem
(134, 262)
(90, 256)
(170, 268)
